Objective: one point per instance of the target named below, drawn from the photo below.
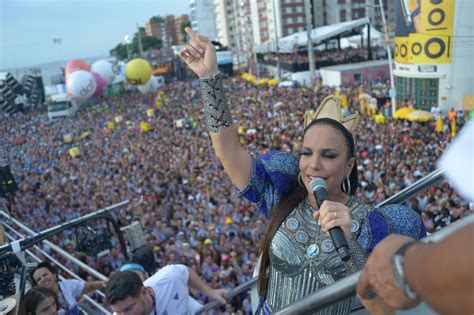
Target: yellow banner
(401, 49)
(423, 49)
(437, 17)
(429, 49)
(425, 37)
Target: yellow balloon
(138, 71)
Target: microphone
(318, 188)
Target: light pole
(140, 46)
(309, 29)
(58, 41)
(276, 40)
(389, 53)
(126, 40)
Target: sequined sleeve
(273, 176)
(358, 256)
(391, 219)
(371, 225)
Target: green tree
(148, 42)
(157, 19)
(119, 52)
(183, 32)
(151, 42)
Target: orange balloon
(75, 65)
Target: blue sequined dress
(302, 258)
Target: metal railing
(35, 238)
(32, 255)
(59, 250)
(241, 288)
(427, 181)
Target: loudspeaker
(8, 185)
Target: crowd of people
(327, 57)
(188, 209)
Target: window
(342, 15)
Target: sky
(88, 28)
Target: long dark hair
(283, 209)
(34, 297)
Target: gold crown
(331, 108)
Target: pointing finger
(190, 32)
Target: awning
(318, 35)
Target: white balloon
(143, 88)
(150, 87)
(81, 84)
(153, 83)
(105, 69)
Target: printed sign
(424, 30)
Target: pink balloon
(101, 84)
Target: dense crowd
(189, 210)
(328, 56)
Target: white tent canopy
(376, 37)
(319, 34)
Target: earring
(300, 180)
(346, 186)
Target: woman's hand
(332, 214)
(200, 55)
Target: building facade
(277, 18)
(202, 17)
(179, 21)
(153, 28)
(225, 23)
(326, 12)
(168, 29)
(433, 57)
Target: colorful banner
(423, 34)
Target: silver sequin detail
(302, 237)
(355, 225)
(360, 214)
(293, 274)
(292, 223)
(215, 107)
(327, 246)
(313, 250)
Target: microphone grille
(316, 183)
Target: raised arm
(91, 286)
(200, 56)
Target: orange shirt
(452, 116)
